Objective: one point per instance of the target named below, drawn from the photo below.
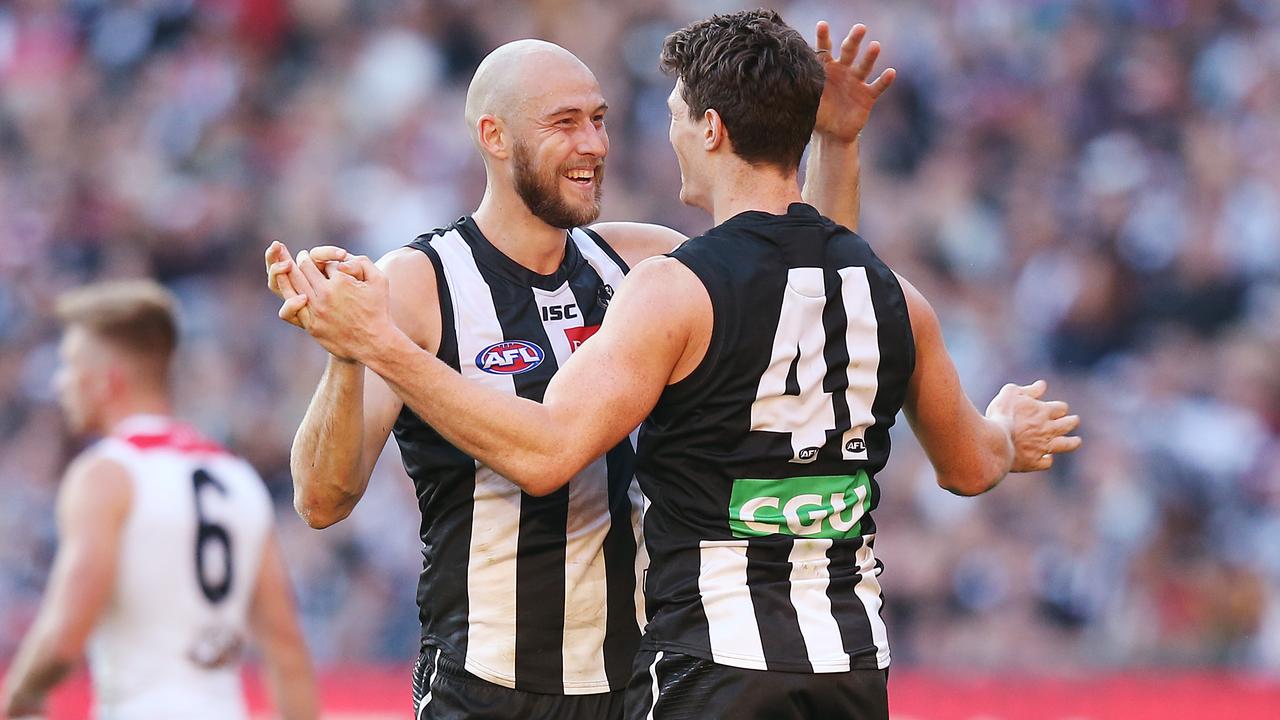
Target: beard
(540, 192)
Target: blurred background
(1088, 191)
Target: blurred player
(166, 559)
(771, 356)
(530, 606)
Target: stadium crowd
(1088, 190)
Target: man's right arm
(972, 453)
(273, 617)
(353, 410)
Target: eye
(566, 122)
(598, 119)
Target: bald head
(512, 79)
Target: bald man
(531, 606)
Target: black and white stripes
(534, 593)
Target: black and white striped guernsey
(760, 467)
(533, 593)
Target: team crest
(510, 357)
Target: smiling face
(558, 162)
(688, 140)
(539, 119)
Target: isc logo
(510, 357)
(559, 312)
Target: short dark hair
(138, 316)
(758, 73)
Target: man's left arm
(92, 506)
(602, 393)
(833, 174)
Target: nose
(593, 141)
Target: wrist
(833, 140)
(385, 347)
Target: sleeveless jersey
(533, 593)
(760, 466)
(189, 556)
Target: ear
(493, 137)
(714, 131)
(115, 380)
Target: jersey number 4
(208, 535)
(802, 352)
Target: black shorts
(443, 690)
(671, 686)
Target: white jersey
(167, 645)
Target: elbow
(319, 515)
(546, 477)
(970, 481)
(964, 485)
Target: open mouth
(581, 176)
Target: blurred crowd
(1088, 191)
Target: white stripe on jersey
(598, 259)
(653, 675)
(863, 344)
(868, 591)
(639, 504)
(585, 606)
(613, 276)
(491, 580)
(810, 578)
(726, 601)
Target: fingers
(276, 252)
(824, 36)
(322, 254)
(357, 267)
(1064, 425)
(1064, 444)
(1057, 409)
(1036, 389)
(310, 273)
(291, 307)
(278, 263)
(849, 48)
(883, 82)
(868, 61)
(1043, 463)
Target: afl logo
(510, 357)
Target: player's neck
(741, 187)
(507, 223)
(139, 404)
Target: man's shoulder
(95, 481)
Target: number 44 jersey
(760, 466)
(168, 643)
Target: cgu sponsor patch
(509, 357)
(822, 506)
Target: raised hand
(1038, 428)
(286, 280)
(347, 303)
(847, 97)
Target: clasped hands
(340, 299)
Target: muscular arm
(353, 410)
(93, 504)
(603, 393)
(972, 453)
(273, 619)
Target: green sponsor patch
(817, 506)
